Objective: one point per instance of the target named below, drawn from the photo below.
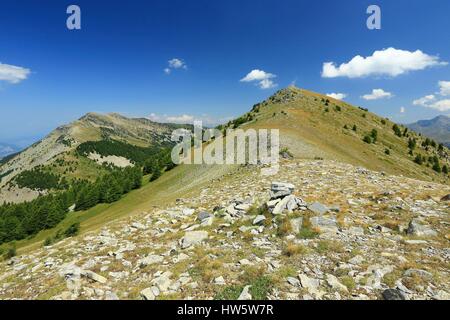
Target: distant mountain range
(437, 128)
(7, 149)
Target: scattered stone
(293, 281)
(150, 259)
(245, 294)
(318, 208)
(416, 228)
(93, 276)
(418, 272)
(393, 294)
(281, 190)
(203, 215)
(219, 281)
(192, 238)
(296, 224)
(147, 294)
(334, 283)
(324, 224)
(259, 220)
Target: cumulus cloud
(432, 102)
(402, 109)
(444, 88)
(261, 78)
(390, 62)
(337, 96)
(13, 74)
(441, 105)
(377, 94)
(188, 119)
(424, 101)
(174, 64)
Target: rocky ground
(316, 230)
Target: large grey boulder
(280, 190)
(393, 294)
(417, 228)
(318, 208)
(150, 259)
(324, 224)
(192, 238)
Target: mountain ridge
(437, 128)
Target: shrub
(374, 135)
(348, 282)
(354, 128)
(11, 252)
(367, 139)
(48, 241)
(387, 151)
(437, 167)
(418, 159)
(445, 169)
(285, 227)
(338, 108)
(73, 230)
(292, 249)
(397, 130)
(307, 233)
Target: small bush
(367, 139)
(348, 282)
(307, 233)
(73, 230)
(229, 293)
(285, 227)
(11, 252)
(387, 151)
(292, 249)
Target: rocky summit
(319, 229)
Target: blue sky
(117, 61)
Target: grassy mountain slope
(56, 153)
(313, 125)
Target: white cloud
(425, 101)
(444, 88)
(174, 64)
(337, 96)
(189, 119)
(13, 74)
(402, 109)
(441, 105)
(430, 101)
(377, 94)
(390, 62)
(262, 78)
